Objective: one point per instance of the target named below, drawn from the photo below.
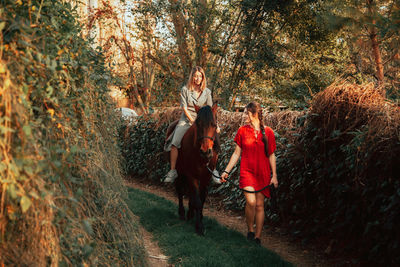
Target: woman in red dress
(256, 145)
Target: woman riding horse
(193, 94)
(197, 155)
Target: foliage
(121, 54)
(62, 193)
(371, 29)
(277, 50)
(340, 183)
(280, 51)
(219, 247)
(142, 148)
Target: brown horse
(199, 150)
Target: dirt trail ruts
(235, 220)
(156, 258)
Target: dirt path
(155, 256)
(235, 220)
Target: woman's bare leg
(260, 213)
(173, 157)
(250, 209)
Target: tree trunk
(179, 23)
(134, 89)
(375, 46)
(201, 35)
(377, 56)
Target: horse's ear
(214, 107)
(197, 108)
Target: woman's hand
(224, 175)
(274, 180)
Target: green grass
(219, 247)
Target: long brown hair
(254, 108)
(203, 84)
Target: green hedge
(338, 171)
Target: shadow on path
(219, 247)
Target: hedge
(338, 169)
(62, 198)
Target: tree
(373, 33)
(120, 52)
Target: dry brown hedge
(340, 182)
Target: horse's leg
(191, 191)
(198, 207)
(179, 187)
(190, 213)
(203, 196)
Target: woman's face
(246, 116)
(197, 78)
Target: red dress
(255, 169)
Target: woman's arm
(209, 98)
(184, 103)
(232, 162)
(272, 162)
(188, 114)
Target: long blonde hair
(190, 84)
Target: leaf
(28, 170)
(27, 130)
(25, 203)
(87, 250)
(34, 195)
(49, 91)
(87, 227)
(74, 149)
(4, 129)
(2, 25)
(3, 166)
(2, 69)
(12, 191)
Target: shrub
(340, 180)
(338, 170)
(62, 199)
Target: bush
(338, 170)
(340, 180)
(62, 199)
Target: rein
(229, 180)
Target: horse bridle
(207, 137)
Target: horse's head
(206, 124)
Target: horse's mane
(206, 119)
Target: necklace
(256, 132)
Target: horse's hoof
(200, 233)
(189, 216)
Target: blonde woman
(195, 92)
(255, 144)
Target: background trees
(280, 52)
